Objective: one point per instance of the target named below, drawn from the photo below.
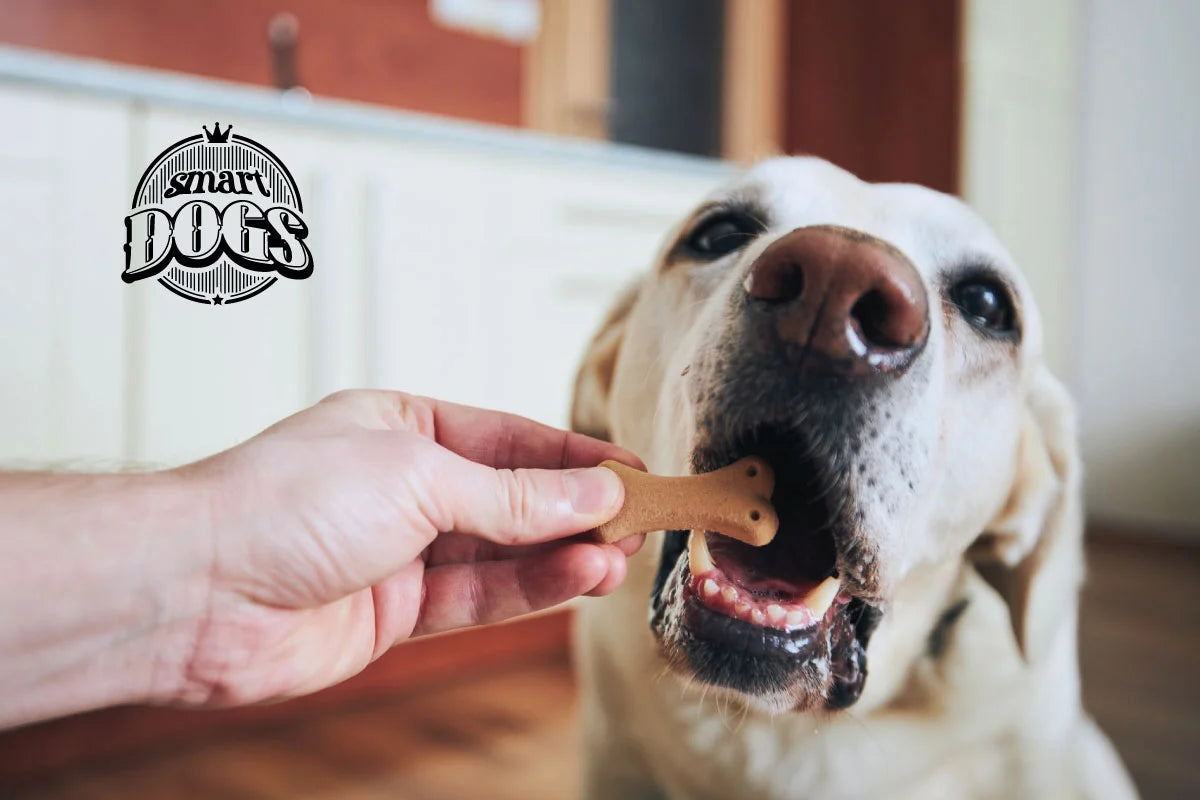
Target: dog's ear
(1031, 553)
(593, 382)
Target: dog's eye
(721, 234)
(985, 304)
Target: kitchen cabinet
(453, 260)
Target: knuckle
(519, 500)
(410, 413)
(394, 410)
(343, 397)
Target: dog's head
(878, 347)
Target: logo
(217, 218)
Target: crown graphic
(216, 135)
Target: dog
(911, 630)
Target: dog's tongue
(758, 571)
(745, 576)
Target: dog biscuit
(734, 501)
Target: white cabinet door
(489, 272)
(571, 236)
(426, 223)
(64, 191)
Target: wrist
(108, 577)
(177, 552)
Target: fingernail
(593, 490)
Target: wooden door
(874, 87)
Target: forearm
(102, 587)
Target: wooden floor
(1140, 656)
(513, 735)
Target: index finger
(508, 441)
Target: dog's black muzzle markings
(827, 321)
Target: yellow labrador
(911, 631)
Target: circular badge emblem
(218, 219)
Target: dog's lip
(758, 640)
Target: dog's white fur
(995, 521)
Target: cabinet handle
(283, 36)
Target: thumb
(524, 506)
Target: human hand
(376, 516)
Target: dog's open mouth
(778, 621)
(759, 585)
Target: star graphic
(216, 299)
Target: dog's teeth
(821, 598)
(709, 588)
(729, 594)
(757, 616)
(798, 617)
(742, 609)
(699, 559)
(776, 614)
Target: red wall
(379, 51)
(874, 86)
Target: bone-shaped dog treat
(734, 501)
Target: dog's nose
(852, 301)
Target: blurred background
(480, 177)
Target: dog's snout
(850, 299)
